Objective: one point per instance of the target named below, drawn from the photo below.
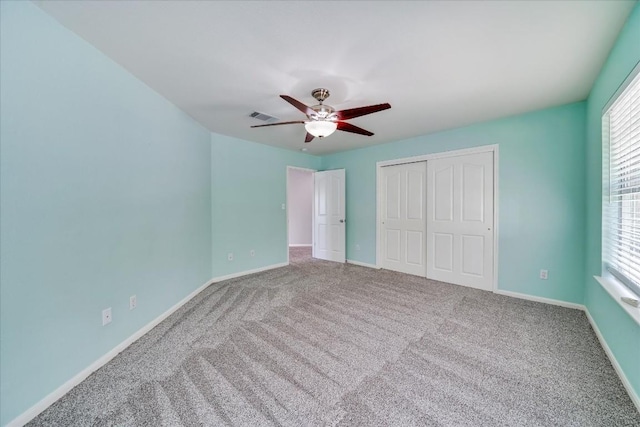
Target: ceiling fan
(323, 120)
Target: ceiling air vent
(262, 116)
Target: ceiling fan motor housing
(322, 112)
(320, 94)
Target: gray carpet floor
(320, 343)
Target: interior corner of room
(112, 197)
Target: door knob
(342, 220)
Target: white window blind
(621, 187)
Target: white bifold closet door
(460, 220)
(329, 215)
(403, 237)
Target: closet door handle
(342, 220)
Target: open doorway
(299, 213)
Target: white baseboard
(247, 272)
(625, 381)
(362, 264)
(52, 397)
(300, 245)
(540, 299)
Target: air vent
(262, 116)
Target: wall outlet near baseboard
(544, 274)
(133, 302)
(106, 316)
(252, 252)
(357, 247)
(230, 256)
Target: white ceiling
(440, 64)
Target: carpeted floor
(320, 343)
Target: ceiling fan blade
(277, 124)
(348, 127)
(309, 137)
(299, 105)
(361, 111)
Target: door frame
(313, 219)
(439, 155)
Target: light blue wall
(249, 188)
(105, 192)
(541, 195)
(620, 331)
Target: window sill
(617, 290)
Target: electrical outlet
(357, 247)
(106, 316)
(252, 252)
(133, 302)
(230, 256)
(284, 206)
(544, 274)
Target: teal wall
(249, 188)
(105, 192)
(619, 330)
(541, 195)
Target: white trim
(379, 214)
(617, 290)
(621, 88)
(301, 169)
(438, 155)
(286, 213)
(496, 211)
(300, 245)
(362, 264)
(52, 397)
(625, 381)
(313, 220)
(494, 148)
(541, 299)
(614, 362)
(247, 272)
(627, 385)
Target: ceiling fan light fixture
(321, 128)
(323, 120)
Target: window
(621, 185)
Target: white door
(403, 218)
(329, 215)
(460, 220)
